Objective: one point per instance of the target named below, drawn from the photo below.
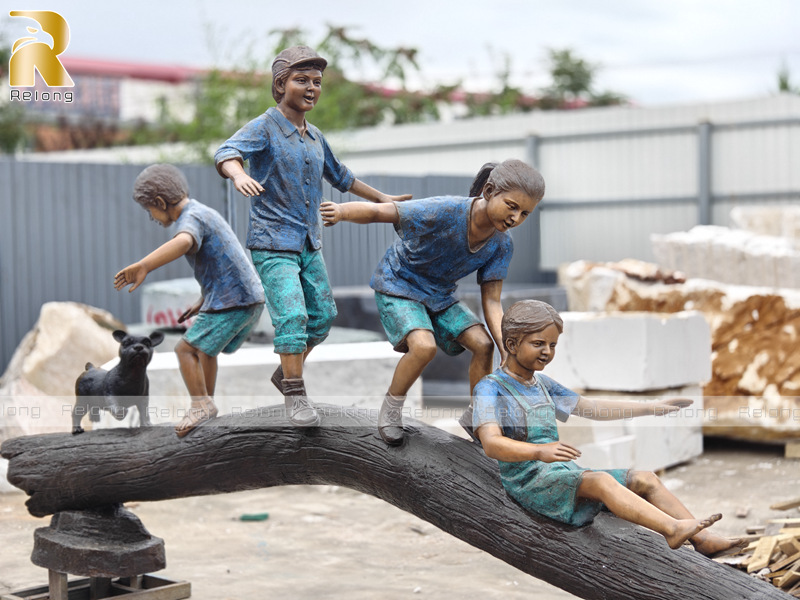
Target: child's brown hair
(165, 181)
(528, 316)
(509, 175)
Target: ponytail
(476, 188)
(507, 176)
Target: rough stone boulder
(779, 221)
(39, 383)
(755, 384)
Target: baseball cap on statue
(294, 56)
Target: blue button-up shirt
(291, 169)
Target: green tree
(572, 87)
(12, 127)
(5, 56)
(507, 99)
(12, 115)
(785, 80)
(225, 100)
(573, 83)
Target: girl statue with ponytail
(441, 240)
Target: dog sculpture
(117, 390)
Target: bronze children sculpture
(232, 299)
(440, 241)
(289, 158)
(515, 413)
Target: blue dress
(529, 413)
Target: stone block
(5, 486)
(163, 302)
(665, 441)
(781, 221)
(663, 251)
(754, 333)
(733, 256)
(787, 270)
(589, 286)
(616, 453)
(348, 374)
(578, 431)
(632, 351)
(759, 263)
(356, 308)
(644, 443)
(698, 259)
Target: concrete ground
(336, 543)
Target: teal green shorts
(224, 331)
(401, 316)
(299, 297)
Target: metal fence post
(534, 252)
(704, 173)
(229, 203)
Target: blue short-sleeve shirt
(432, 253)
(291, 168)
(226, 277)
(494, 401)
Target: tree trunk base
(438, 477)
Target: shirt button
(308, 181)
(306, 202)
(308, 161)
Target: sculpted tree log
(442, 479)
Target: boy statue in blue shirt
(288, 159)
(232, 299)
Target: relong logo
(29, 54)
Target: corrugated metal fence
(66, 229)
(675, 178)
(614, 175)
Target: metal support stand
(109, 546)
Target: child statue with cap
(288, 159)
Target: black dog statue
(117, 390)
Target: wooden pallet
(144, 587)
(774, 551)
(792, 449)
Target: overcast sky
(654, 51)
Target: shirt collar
(286, 126)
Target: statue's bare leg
(649, 486)
(628, 505)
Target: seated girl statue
(515, 412)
